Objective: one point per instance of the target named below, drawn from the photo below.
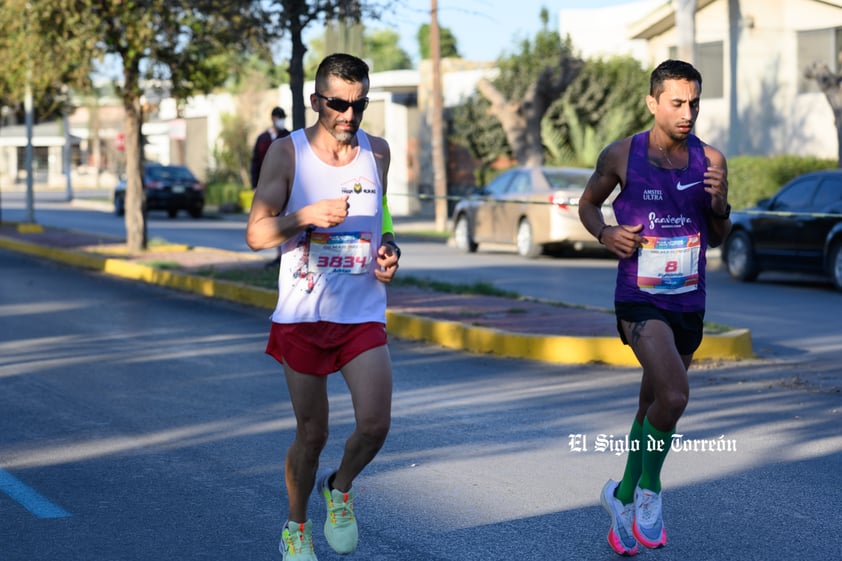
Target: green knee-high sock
(655, 444)
(634, 465)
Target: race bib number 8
(347, 252)
(669, 265)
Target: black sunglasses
(341, 105)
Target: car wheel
(739, 257)
(172, 212)
(195, 212)
(119, 205)
(526, 245)
(836, 265)
(462, 235)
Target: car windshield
(566, 180)
(169, 173)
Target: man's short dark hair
(672, 70)
(279, 113)
(342, 65)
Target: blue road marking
(29, 498)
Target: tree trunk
(837, 120)
(521, 120)
(296, 74)
(512, 119)
(831, 85)
(734, 32)
(135, 205)
(685, 26)
(437, 132)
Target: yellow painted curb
(555, 349)
(30, 228)
(204, 286)
(734, 344)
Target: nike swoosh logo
(681, 187)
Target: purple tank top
(668, 271)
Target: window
(797, 196)
(828, 194)
(567, 180)
(712, 68)
(40, 164)
(711, 65)
(500, 184)
(817, 45)
(519, 185)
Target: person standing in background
(264, 140)
(261, 146)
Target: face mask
(279, 124)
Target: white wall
(602, 32)
(773, 117)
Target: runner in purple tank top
(673, 204)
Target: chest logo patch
(681, 187)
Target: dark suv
(169, 188)
(798, 229)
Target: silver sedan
(532, 208)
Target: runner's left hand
(716, 183)
(387, 263)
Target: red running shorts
(322, 347)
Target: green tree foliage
(530, 81)
(582, 143)
(288, 19)
(233, 147)
(532, 59)
(447, 42)
(752, 178)
(244, 69)
(46, 44)
(232, 151)
(482, 135)
(606, 102)
(380, 49)
(183, 43)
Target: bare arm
(267, 225)
(716, 183)
(622, 240)
(387, 257)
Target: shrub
(224, 195)
(752, 178)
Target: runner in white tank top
(326, 274)
(321, 197)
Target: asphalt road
(142, 424)
(792, 318)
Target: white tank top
(327, 274)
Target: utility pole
(68, 153)
(437, 141)
(28, 109)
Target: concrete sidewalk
(518, 328)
